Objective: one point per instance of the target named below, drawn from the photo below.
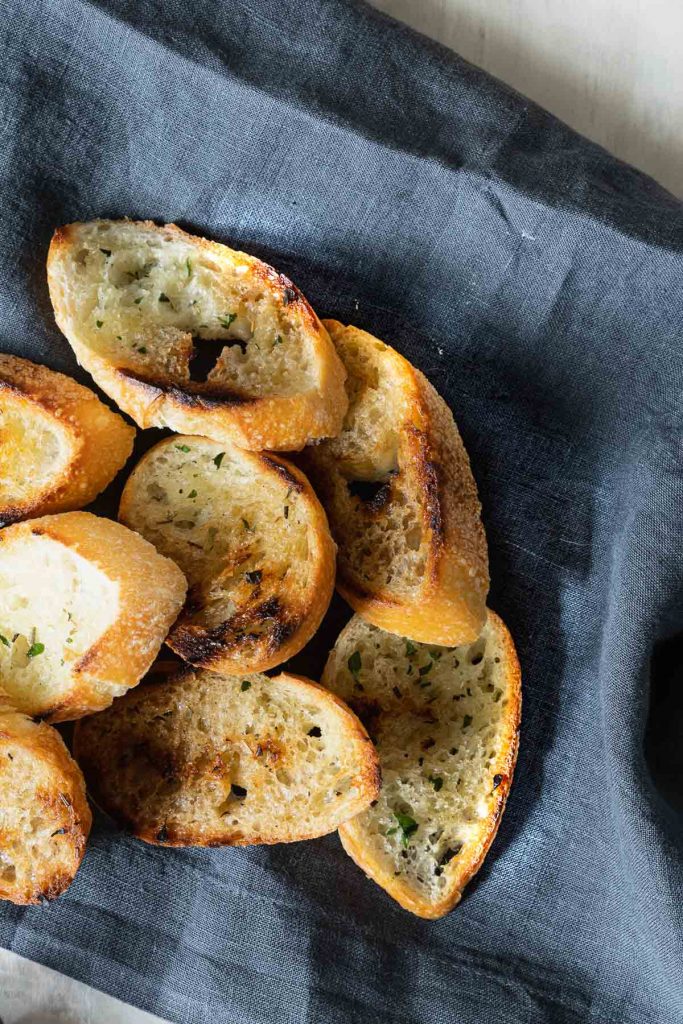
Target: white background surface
(613, 69)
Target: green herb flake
(142, 349)
(355, 664)
(278, 339)
(226, 320)
(246, 684)
(188, 264)
(34, 650)
(467, 721)
(164, 298)
(435, 655)
(4, 640)
(426, 668)
(107, 252)
(139, 300)
(286, 511)
(192, 494)
(410, 648)
(219, 458)
(407, 825)
(436, 781)
(183, 448)
(69, 639)
(99, 323)
(497, 695)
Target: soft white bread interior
(85, 605)
(445, 723)
(401, 500)
(253, 541)
(208, 760)
(138, 302)
(59, 445)
(44, 814)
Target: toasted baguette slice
(401, 501)
(59, 445)
(446, 726)
(85, 605)
(252, 539)
(211, 760)
(131, 297)
(44, 815)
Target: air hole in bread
(205, 354)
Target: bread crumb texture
(401, 500)
(444, 721)
(141, 304)
(59, 445)
(85, 605)
(44, 814)
(253, 541)
(204, 759)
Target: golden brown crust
(257, 423)
(98, 440)
(354, 840)
(273, 623)
(34, 756)
(150, 589)
(449, 606)
(100, 743)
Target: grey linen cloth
(537, 282)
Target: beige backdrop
(613, 69)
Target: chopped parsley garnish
(435, 655)
(164, 298)
(4, 640)
(286, 511)
(246, 684)
(192, 494)
(69, 639)
(436, 781)
(410, 648)
(188, 264)
(278, 339)
(426, 668)
(355, 663)
(238, 791)
(107, 252)
(219, 458)
(254, 577)
(467, 721)
(406, 824)
(226, 320)
(99, 322)
(34, 650)
(142, 349)
(139, 300)
(183, 447)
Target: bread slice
(44, 815)
(211, 760)
(252, 539)
(132, 298)
(446, 724)
(59, 445)
(85, 605)
(401, 500)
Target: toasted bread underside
(253, 541)
(401, 500)
(445, 723)
(85, 605)
(44, 814)
(59, 445)
(139, 302)
(209, 760)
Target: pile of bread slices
(229, 554)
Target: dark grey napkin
(537, 282)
